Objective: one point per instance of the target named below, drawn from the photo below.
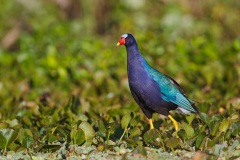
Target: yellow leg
(151, 123)
(175, 123)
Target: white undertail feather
(183, 110)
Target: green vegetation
(63, 82)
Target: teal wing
(171, 90)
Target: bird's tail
(194, 107)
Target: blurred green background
(52, 49)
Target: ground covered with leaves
(63, 82)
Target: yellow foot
(175, 123)
(151, 123)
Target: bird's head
(127, 40)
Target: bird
(152, 90)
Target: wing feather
(171, 90)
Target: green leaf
(112, 127)
(126, 120)
(214, 126)
(135, 131)
(204, 117)
(151, 137)
(224, 125)
(21, 135)
(28, 141)
(134, 141)
(215, 139)
(73, 133)
(26, 119)
(102, 129)
(88, 132)
(190, 118)
(189, 130)
(235, 128)
(172, 142)
(51, 138)
(7, 136)
(202, 129)
(79, 137)
(182, 134)
(200, 139)
(71, 105)
(3, 141)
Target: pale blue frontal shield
(124, 35)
